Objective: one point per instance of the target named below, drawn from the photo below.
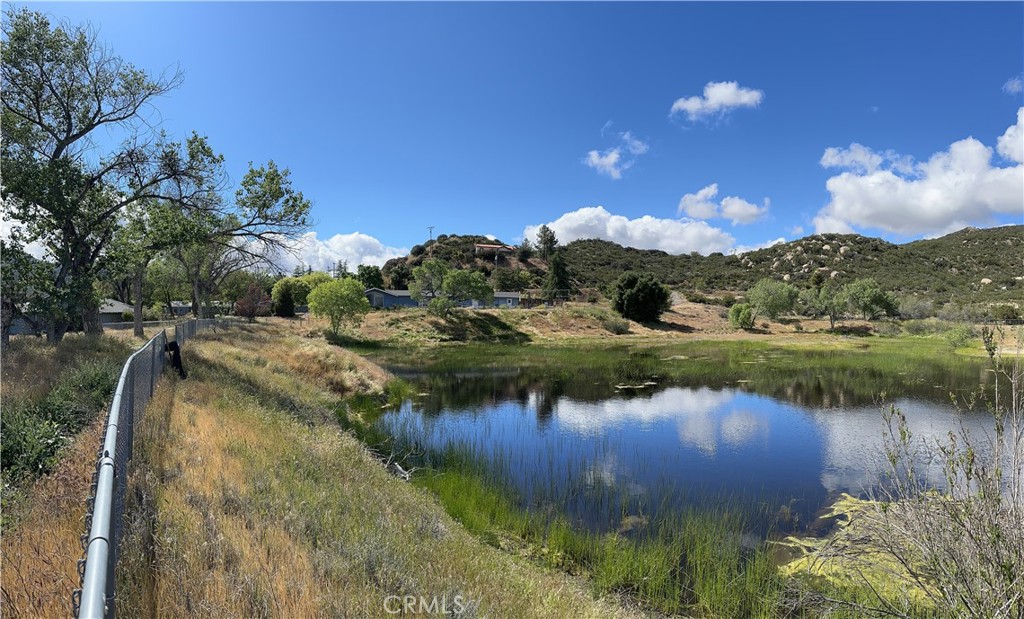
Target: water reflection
(785, 437)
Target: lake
(611, 437)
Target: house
(501, 299)
(181, 308)
(487, 250)
(379, 297)
(112, 310)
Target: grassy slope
(248, 501)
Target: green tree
(370, 276)
(460, 286)
(342, 301)
(556, 281)
(284, 294)
(428, 279)
(546, 242)
(398, 276)
(868, 299)
(525, 250)
(311, 280)
(640, 297)
(60, 89)
(771, 298)
(741, 316)
(827, 300)
(512, 280)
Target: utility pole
(431, 230)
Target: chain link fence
(105, 505)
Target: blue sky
(496, 118)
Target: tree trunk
(140, 272)
(91, 323)
(6, 319)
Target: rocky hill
(975, 264)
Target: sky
(675, 126)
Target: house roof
(112, 306)
(497, 247)
(394, 293)
(506, 295)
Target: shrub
(615, 325)
(127, 316)
(640, 297)
(959, 335)
(1005, 311)
(741, 316)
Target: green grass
(692, 561)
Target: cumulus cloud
(702, 205)
(952, 189)
(739, 211)
(612, 162)
(1011, 144)
(670, 235)
(718, 100)
(1014, 85)
(742, 249)
(355, 248)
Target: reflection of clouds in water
(602, 472)
(698, 414)
(853, 447)
(595, 418)
(741, 427)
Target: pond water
(615, 435)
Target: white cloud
(611, 162)
(739, 211)
(634, 145)
(954, 188)
(1011, 144)
(670, 235)
(355, 248)
(742, 249)
(1014, 85)
(796, 230)
(719, 98)
(608, 162)
(701, 205)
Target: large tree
(546, 242)
(65, 95)
(341, 301)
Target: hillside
(977, 264)
(985, 264)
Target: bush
(31, 434)
(916, 307)
(640, 297)
(615, 325)
(959, 335)
(741, 316)
(127, 316)
(1005, 311)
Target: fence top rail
(94, 580)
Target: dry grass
(31, 367)
(249, 501)
(41, 546)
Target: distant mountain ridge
(975, 264)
